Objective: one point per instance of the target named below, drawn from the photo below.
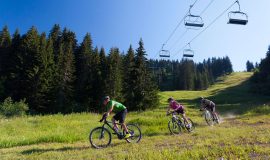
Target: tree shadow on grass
(237, 100)
(43, 150)
(63, 149)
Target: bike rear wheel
(135, 132)
(190, 125)
(100, 137)
(174, 127)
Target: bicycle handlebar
(170, 113)
(104, 118)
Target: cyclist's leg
(122, 122)
(213, 111)
(115, 127)
(182, 112)
(185, 118)
(116, 117)
(122, 118)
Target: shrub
(9, 108)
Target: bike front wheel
(135, 132)
(174, 127)
(100, 137)
(216, 118)
(208, 118)
(189, 125)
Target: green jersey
(117, 107)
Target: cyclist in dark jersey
(209, 105)
(120, 113)
(177, 107)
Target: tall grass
(242, 136)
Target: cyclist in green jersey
(120, 113)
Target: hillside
(243, 133)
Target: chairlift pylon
(238, 17)
(188, 52)
(164, 53)
(193, 21)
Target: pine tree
(84, 73)
(104, 70)
(261, 77)
(96, 92)
(55, 36)
(30, 68)
(145, 89)
(228, 65)
(5, 51)
(15, 68)
(114, 75)
(249, 66)
(129, 78)
(47, 75)
(66, 73)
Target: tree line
(251, 67)
(188, 75)
(53, 73)
(261, 77)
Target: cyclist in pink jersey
(176, 107)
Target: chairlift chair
(164, 53)
(188, 53)
(238, 17)
(193, 21)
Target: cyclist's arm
(110, 110)
(168, 110)
(202, 106)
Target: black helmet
(169, 99)
(105, 98)
(202, 100)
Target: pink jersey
(175, 106)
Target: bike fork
(102, 133)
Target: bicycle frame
(205, 111)
(108, 123)
(176, 118)
(213, 118)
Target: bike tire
(217, 119)
(174, 127)
(208, 118)
(135, 132)
(97, 137)
(191, 125)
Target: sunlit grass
(243, 133)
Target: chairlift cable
(183, 34)
(179, 24)
(209, 4)
(174, 30)
(206, 27)
(180, 37)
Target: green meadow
(244, 132)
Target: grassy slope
(244, 132)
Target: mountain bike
(176, 125)
(100, 137)
(210, 118)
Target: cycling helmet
(169, 99)
(105, 98)
(202, 100)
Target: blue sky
(119, 23)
